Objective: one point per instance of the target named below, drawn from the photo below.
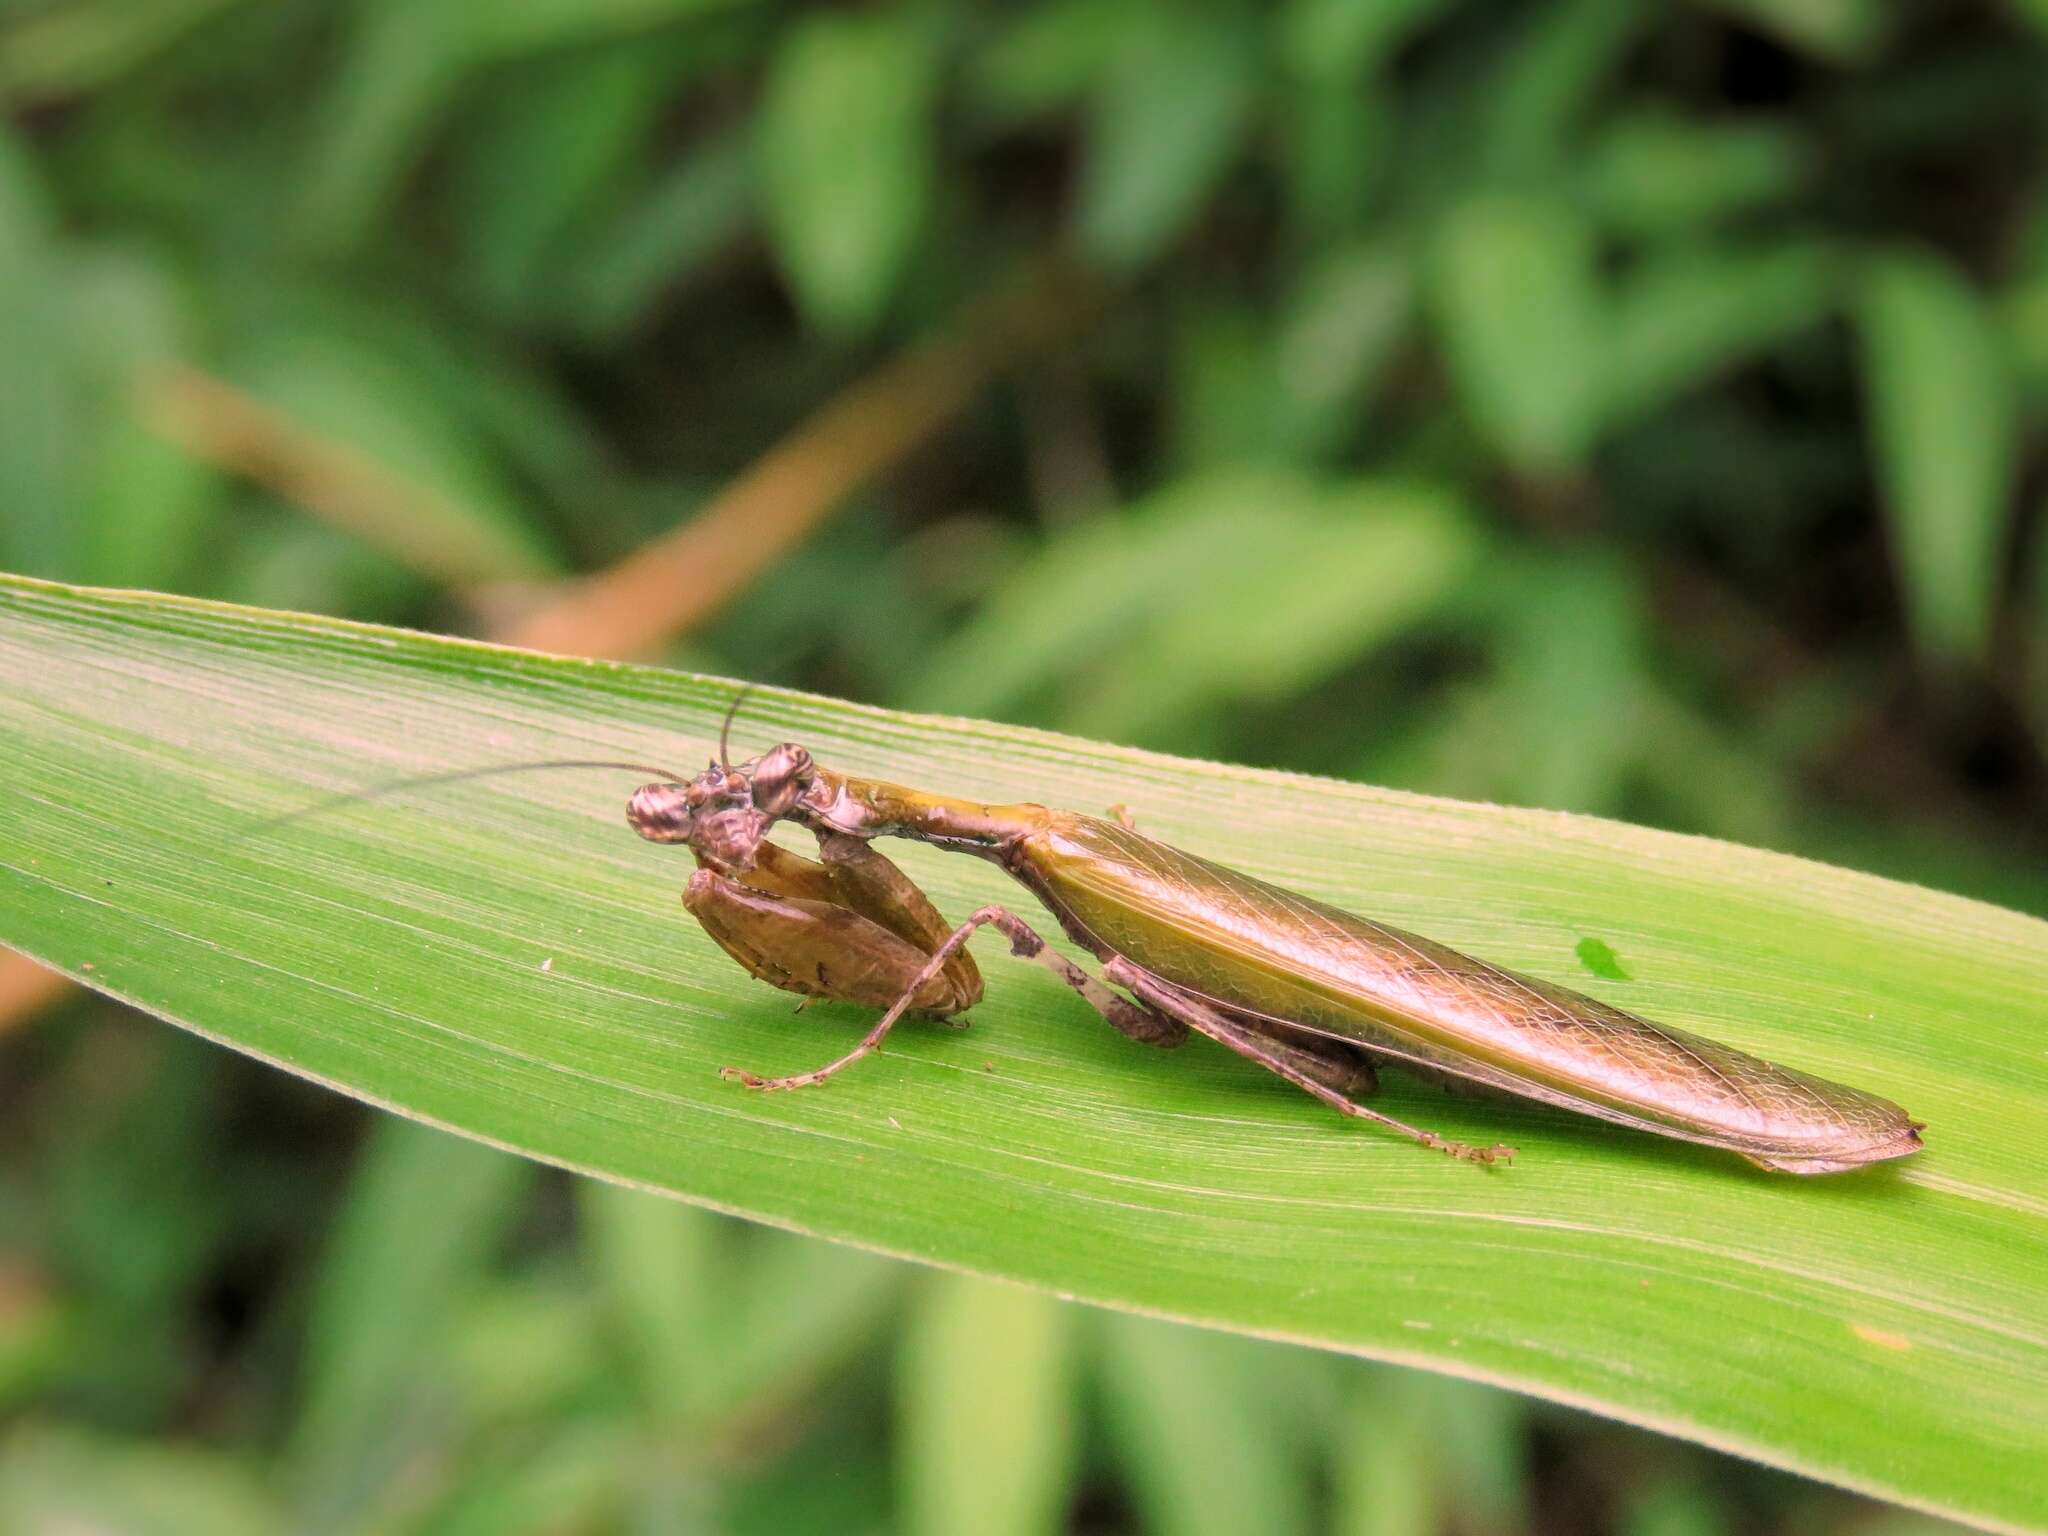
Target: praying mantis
(1317, 995)
(1320, 996)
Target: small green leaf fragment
(1597, 956)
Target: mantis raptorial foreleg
(853, 928)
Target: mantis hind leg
(1260, 1047)
(1333, 1063)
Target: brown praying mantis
(1313, 993)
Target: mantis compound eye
(780, 778)
(661, 813)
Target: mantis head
(725, 812)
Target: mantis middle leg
(1259, 1046)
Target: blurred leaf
(1716, 782)
(1519, 305)
(133, 309)
(510, 27)
(401, 61)
(1654, 173)
(523, 1347)
(147, 506)
(1549, 79)
(394, 949)
(1571, 660)
(471, 391)
(2022, 323)
(1676, 1511)
(284, 560)
(423, 1217)
(1677, 321)
(547, 145)
(2036, 642)
(1476, 1439)
(796, 1313)
(381, 427)
(1346, 39)
(1333, 574)
(148, 510)
(1193, 1445)
(1556, 721)
(1333, 570)
(572, 1482)
(1080, 597)
(1255, 390)
(656, 241)
(1045, 57)
(133, 1227)
(1341, 326)
(655, 1261)
(726, 1337)
(1385, 1472)
(60, 1481)
(1943, 419)
(792, 1497)
(67, 47)
(1839, 31)
(38, 1337)
(1431, 1454)
(1167, 117)
(1339, 137)
(985, 1410)
(44, 401)
(1229, 409)
(846, 141)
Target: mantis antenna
(378, 791)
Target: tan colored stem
(226, 426)
(669, 586)
(27, 987)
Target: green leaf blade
(508, 961)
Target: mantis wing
(1296, 963)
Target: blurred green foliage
(1626, 408)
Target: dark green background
(1622, 408)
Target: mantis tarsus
(1313, 993)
